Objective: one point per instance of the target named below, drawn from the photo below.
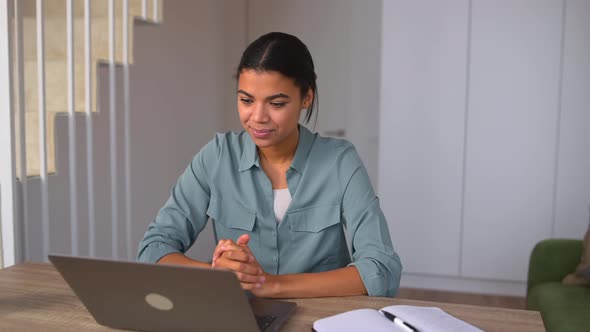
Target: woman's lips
(261, 133)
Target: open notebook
(423, 319)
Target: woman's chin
(262, 142)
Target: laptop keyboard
(265, 321)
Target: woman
(280, 198)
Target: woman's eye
(246, 101)
(278, 104)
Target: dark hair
(286, 54)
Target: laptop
(157, 297)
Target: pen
(398, 321)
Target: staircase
(56, 79)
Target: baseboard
(465, 285)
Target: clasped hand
(237, 257)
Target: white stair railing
(13, 123)
(7, 169)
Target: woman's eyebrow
(246, 93)
(278, 95)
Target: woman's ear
(308, 99)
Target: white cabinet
(484, 135)
(424, 55)
(572, 210)
(511, 134)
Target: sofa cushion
(564, 308)
(581, 275)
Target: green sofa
(564, 308)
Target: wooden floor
(511, 302)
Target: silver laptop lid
(155, 297)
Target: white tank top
(282, 199)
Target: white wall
(183, 90)
(343, 37)
(188, 99)
(484, 135)
(483, 123)
(179, 88)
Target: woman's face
(269, 105)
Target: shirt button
(274, 258)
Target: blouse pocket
(231, 220)
(314, 219)
(317, 237)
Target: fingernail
(258, 285)
(263, 279)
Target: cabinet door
(573, 177)
(423, 99)
(511, 134)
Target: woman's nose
(260, 113)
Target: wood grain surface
(34, 297)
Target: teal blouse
(331, 194)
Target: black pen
(398, 321)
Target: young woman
(280, 197)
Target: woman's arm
(184, 215)
(372, 250)
(180, 259)
(340, 282)
(238, 258)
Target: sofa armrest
(553, 259)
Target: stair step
(99, 8)
(56, 38)
(56, 59)
(56, 64)
(56, 83)
(32, 143)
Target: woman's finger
(248, 268)
(238, 255)
(250, 286)
(249, 278)
(224, 245)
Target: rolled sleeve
(376, 282)
(373, 254)
(154, 251)
(372, 251)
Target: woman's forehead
(265, 81)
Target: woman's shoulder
(333, 142)
(224, 144)
(336, 156)
(227, 140)
(333, 146)
(334, 152)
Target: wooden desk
(34, 297)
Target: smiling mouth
(261, 130)
(261, 133)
